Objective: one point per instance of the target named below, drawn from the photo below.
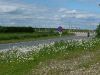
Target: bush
(98, 31)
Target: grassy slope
(55, 60)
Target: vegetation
(15, 29)
(37, 60)
(98, 31)
(17, 34)
(17, 37)
(12, 36)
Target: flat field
(19, 37)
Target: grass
(51, 59)
(21, 37)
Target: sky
(84, 14)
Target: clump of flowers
(22, 54)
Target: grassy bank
(19, 37)
(20, 34)
(45, 59)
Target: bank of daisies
(17, 62)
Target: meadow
(20, 34)
(72, 57)
(19, 37)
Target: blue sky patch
(50, 13)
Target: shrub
(98, 31)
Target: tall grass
(17, 37)
(16, 62)
(10, 36)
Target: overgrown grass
(18, 37)
(15, 62)
(11, 36)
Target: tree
(98, 31)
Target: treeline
(30, 29)
(15, 29)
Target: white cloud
(15, 13)
(87, 15)
(71, 11)
(81, 16)
(62, 10)
(6, 8)
(68, 13)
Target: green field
(18, 37)
(12, 36)
(63, 58)
(20, 34)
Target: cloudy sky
(83, 14)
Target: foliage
(15, 29)
(98, 31)
(19, 36)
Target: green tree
(98, 31)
